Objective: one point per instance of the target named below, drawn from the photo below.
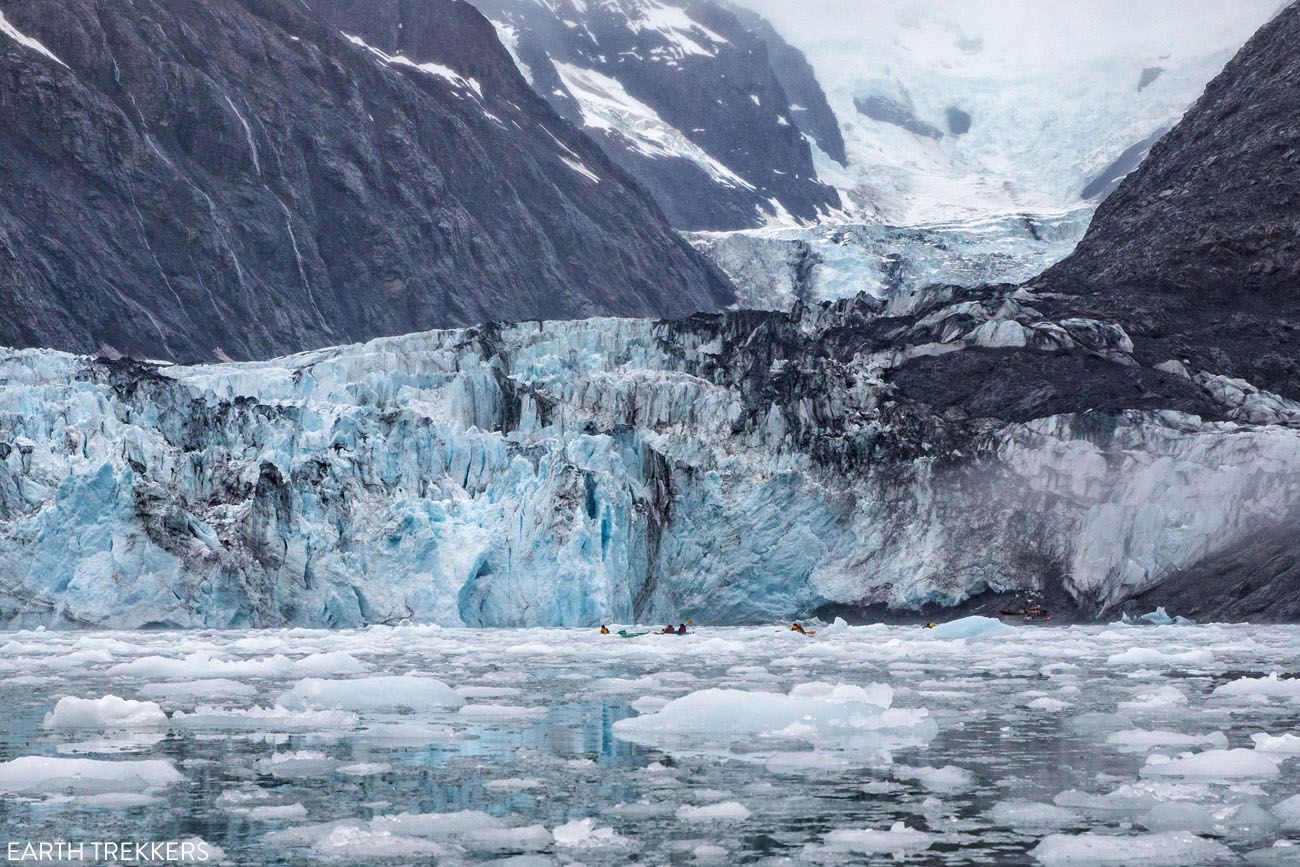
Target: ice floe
(109, 712)
(1163, 849)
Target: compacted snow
(976, 742)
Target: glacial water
(1012, 745)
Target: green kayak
(623, 633)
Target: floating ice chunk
(973, 627)
(270, 719)
(727, 811)
(198, 689)
(364, 769)
(1047, 703)
(1135, 797)
(354, 840)
(335, 662)
(437, 826)
(1288, 811)
(838, 627)
(583, 834)
(203, 665)
(899, 839)
(1283, 853)
(1285, 744)
(649, 703)
(1179, 816)
(41, 774)
(840, 714)
(1271, 686)
(513, 784)
(399, 692)
(397, 735)
(1140, 740)
(501, 711)
(408, 835)
(1163, 849)
(1159, 699)
(109, 712)
(1215, 764)
(709, 852)
(1158, 617)
(126, 742)
(1031, 814)
(948, 780)
(1149, 656)
(487, 691)
(297, 764)
(267, 812)
(1250, 821)
(117, 800)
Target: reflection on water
(540, 747)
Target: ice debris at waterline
(731, 469)
(1019, 746)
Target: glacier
(774, 266)
(729, 468)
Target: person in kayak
(681, 630)
(798, 627)
(604, 630)
(668, 630)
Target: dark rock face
(959, 121)
(239, 178)
(809, 108)
(886, 110)
(725, 141)
(1149, 76)
(1198, 251)
(1108, 179)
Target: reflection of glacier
(729, 468)
(773, 267)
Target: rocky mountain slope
(1198, 252)
(192, 180)
(684, 96)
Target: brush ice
(799, 748)
(396, 692)
(42, 774)
(108, 712)
(1164, 849)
